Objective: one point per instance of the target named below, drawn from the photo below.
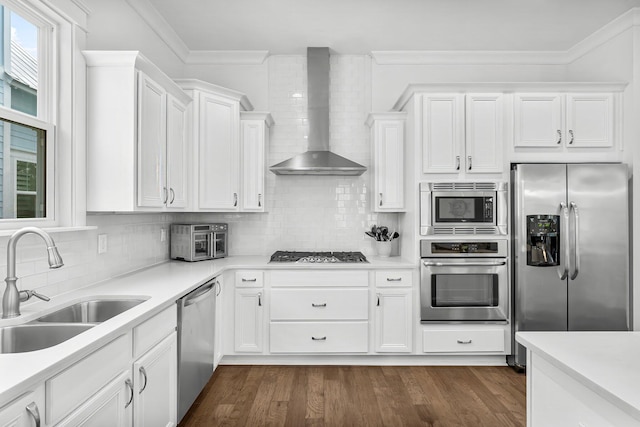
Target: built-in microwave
(452, 208)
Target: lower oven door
(464, 289)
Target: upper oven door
(454, 289)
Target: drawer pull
(319, 339)
(32, 409)
(391, 279)
(319, 305)
(464, 341)
(249, 280)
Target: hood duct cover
(318, 160)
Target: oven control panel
(449, 248)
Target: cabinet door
(253, 165)
(156, 385)
(393, 330)
(177, 153)
(111, 406)
(590, 120)
(24, 411)
(218, 154)
(152, 191)
(484, 133)
(248, 320)
(538, 120)
(442, 132)
(388, 146)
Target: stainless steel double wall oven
(464, 273)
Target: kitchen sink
(93, 311)
(31, 336)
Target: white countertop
(604, 362)
(163, 284)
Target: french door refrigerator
(570, 249)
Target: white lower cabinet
(393, 311)
(111, 406)
(249, 307)
(218, 321)
(155, 385)
(25, 411)
(319, 312)
(489, 340)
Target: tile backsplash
(302, 212)
(312, 212)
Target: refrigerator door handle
(563, 267)
(575, 240)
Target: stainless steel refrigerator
(570, 249)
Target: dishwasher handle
(199, 294)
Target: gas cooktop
(317, 257)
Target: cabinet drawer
(250, 278)
(319, 337)
(319, 278)
(73, 386)
(463, 341)
(319, 304)
(154, 330)
(394, 278)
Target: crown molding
(226, 57)
(609, 31)
(160, 26)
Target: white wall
(114, 25)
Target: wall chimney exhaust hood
(318, 160)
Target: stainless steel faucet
(12, 297)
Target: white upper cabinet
(462, 133)
(136, 135)
(254, 143)
(387, 141)
(229, 152)
(565, 121)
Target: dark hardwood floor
(361, 396)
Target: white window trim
(61, 109)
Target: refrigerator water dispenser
(543, 245)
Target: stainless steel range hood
(318, 160)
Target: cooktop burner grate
(317, 257)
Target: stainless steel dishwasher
(195, 343)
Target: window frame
(49, 48)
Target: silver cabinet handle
(218, 288)
(380, 199)
(249, 280)
(563, 267)
(397, 279)
(464, 341)
(165, 195)
(457, 163)
(144, 374)
(259, 200)
(469, 159)
(576, 240)
(32, 409)
(378, 303)
(173, 195)
(319, 305)
(319, 338)
(259, 299)
(571, 135)
(130, 385)
(559, 137)
(235, 199)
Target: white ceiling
(362, 26)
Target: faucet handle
(26, 295)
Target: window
(26, 128)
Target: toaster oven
(198, 242)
